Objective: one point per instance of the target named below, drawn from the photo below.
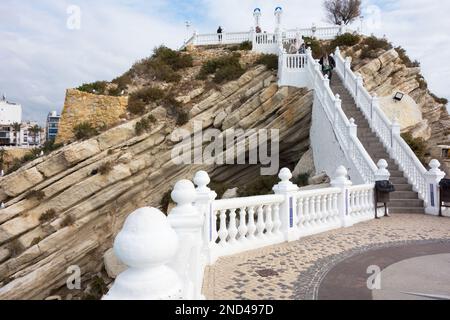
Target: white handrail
(344, 129)
(388, 132)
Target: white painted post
(146, 244)
(382, 173)
(347, 66)
(288, 208)
(188, 224)
(395, 132)
(374, 106)
(359, 87)
(353, 128)
(342, 28)
(204, 201)
(338, 106)
(341, 181)
(432, 178)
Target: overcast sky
(43, 52)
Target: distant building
(30, 135)
(52, 126)
(10, 114)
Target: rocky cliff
(64, 209)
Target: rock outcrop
(63, 210)
(99, 110)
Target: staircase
(404, 199)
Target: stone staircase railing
(167, 256)
(388, 132)
(304, 71)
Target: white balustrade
(387, 131)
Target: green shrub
(439, 100)
(155, 70)
(344, 40)
(47, 216)
(138, 101)
(315, 46)
(302, 180)
(422, 82)
(418, 145)
(371, 45)
(68, 221)
(182, 117)
(35, 194)
(219, 187)
(84, 130)
(228, 73)
(123, 81)
(50, 146)
(16, 248)
(269, 60)
(174, 59)
(144, 124)
(405, 58)
(246, 46)
(260, 186)
(105, 168)
(98, 87)
(224, 68)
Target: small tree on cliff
(342, 11)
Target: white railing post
(342, 28)
(288, 208)
(188, 224)
(359, 88)
(432, 179)
(146, 244)
(194, 39)
(338, 107)
(395, 131)
(341, 181)
(347, 66)
(382, 173)
(204, 201)
(353, 128)
(375, 104)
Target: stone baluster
(204, 201)
(353, 128)
(146, 244)
(338, 107)
(347, 66)
(288, 207)
(432, 179)
(359, 87)
(187, 221)
(374, 106)
(342, 182)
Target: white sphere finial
(184, 193)
(382, 164)
(352, 122)
(435, 164)
(146, 244)
(338, 96)
(202, 180)
(285, 175)
(341, 178)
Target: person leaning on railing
(219, 33)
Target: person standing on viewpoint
(219, 33)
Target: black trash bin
(444, 194)
(383, 190)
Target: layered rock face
(422, 115)
(65, 209)
(98, 110)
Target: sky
(47, 46)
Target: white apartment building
(10, 133)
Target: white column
(188, 224)
(432, 178)
(146, 244)
(341, 181)
(288, 208)
(353, 128)
(205, 198)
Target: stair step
(409, 203)
(396, 174)
(407, 210)
(402, 195)
(396, 181)
(403, 187)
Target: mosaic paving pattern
(294, 270)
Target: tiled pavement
(294, 270)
